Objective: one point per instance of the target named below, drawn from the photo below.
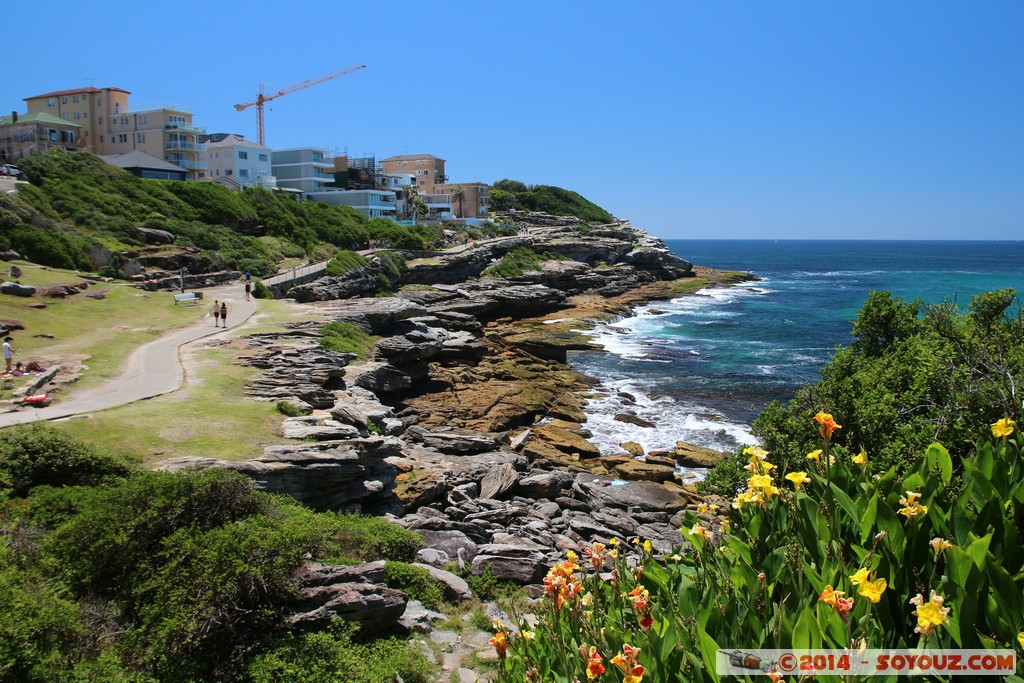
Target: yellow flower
(571, 556)
(939, 545)
(861, 459)
(930, 615)
(529, 635)
(911, 508)
(1003, 427)
(815, 456)
(702, 509)
(872, 590)
(760, 481)
(700, 530)
(1020, 639)
(647, 546)
(798, 479)
(860, 577)
(587, 600)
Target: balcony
(181, 144)
(185, 127)
(191, 165)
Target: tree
(459, 194)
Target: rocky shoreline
(466, 425)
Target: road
(151, 370)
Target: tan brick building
(108, 127)
(22, 135)
(474, 200)
(427, 169)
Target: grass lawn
(102, 331)
(209, 417)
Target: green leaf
(938, 458)
(708, 648)
(806, 633)
(846, 503)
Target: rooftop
(75, 91)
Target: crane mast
(261, 98)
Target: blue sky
(870, 119)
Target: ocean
(701, 367)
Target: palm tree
(459, 193)
(414, 203)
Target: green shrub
(261, 291)
(41, 455)
(371, 538)
(290, 409)
(344, 262)
(519, 261)
(415, 582)
(337, 655)
(347, 338)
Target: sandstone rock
(599, 493)
(632, 447)
(372, 314)
(689, 455)
(499, 481)
(566, 441)
(317, 427)
(433, 557)
(455, 587)
(451, 442)
(545, 484)
(375, 608)
(378, 377)
(523, 563)
(635, 470)
(454, 543)
(419, 619)
(633, 419)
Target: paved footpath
(151, 370)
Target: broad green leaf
(806, 634)
(708, 648)
(938, 458)
(846, 503)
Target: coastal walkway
(151, 370)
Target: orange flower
(829, 595)
(627, 662)
(499, 644)
(595, 667)
(827, 424)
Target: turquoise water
(701, 367)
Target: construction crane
(261, 98)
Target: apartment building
(22, 135)
(109, 128)
(428, 169)
(468, 200)
(231, 156)
(307, 169)
(370, 203)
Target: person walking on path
(216, 313)
(224, 313)
(248, 289)
(9, 352)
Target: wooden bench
(187, 297)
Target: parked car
(9, 170)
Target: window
(101, 120)
(66, 117)
(140, 138)
(67, 137)
(123, 137)
(64, 100)
(263, 157)
(85, 114)
(99, 101)
(51, 102)
(228, 172)
(76, 116)
(243, 155)
(101, 139)
(51, 134)
(75, 99)
(243, 173)
(124, 120)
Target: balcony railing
(191, 165)
(186, 127)
(180, 144)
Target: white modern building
(370, 203)
(307, 169)
(233, 157)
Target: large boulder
(327, 593)
(602, 492)
(523, 562)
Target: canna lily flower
(859, 577)
(798, 479)
(829, 595)
(594, 662)
(843, 607)
(499, 644)
(911, 508)
(699, 529)
(939, 545)
(628, 664)
(872, 590)
(596, 555)
(647, 546)
(861, 459)
(827, 424)
(1003, 428)
(529, 635)
(1020, 639)
(815, 456)
(930, 615)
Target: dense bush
(415, 582)
(344, 261)
(39, 455)
(511, 194)
(347, 338)
(519, 261)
